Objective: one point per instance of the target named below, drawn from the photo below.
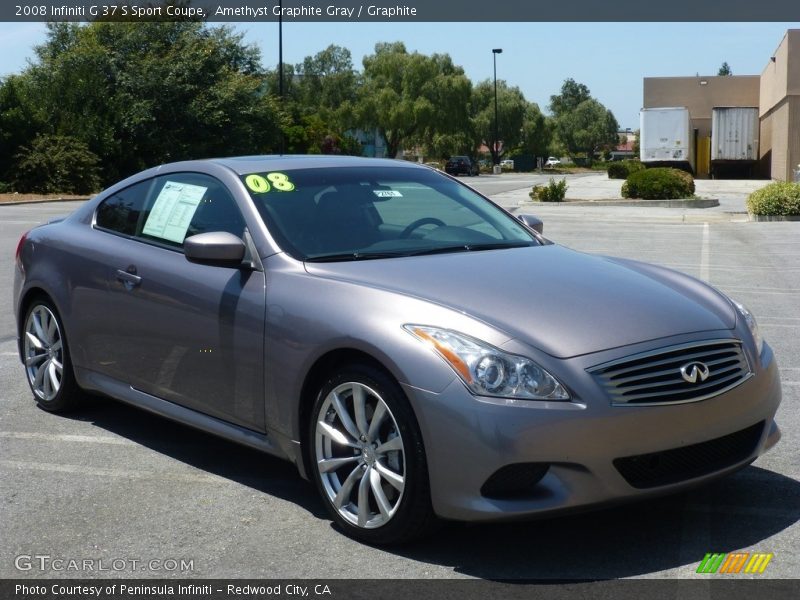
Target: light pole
(280, 64)
(495, 149)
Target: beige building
(776, 93)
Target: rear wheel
(46, 358)
(367, 457)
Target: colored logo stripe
(714, 562)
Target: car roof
(258, 164)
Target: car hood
(563, 302)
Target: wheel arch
(323, 367)
(25, 301)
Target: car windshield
(356, 213)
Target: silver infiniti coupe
(415, 350)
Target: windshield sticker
(387, 193)
(259, 184)
(173, 211)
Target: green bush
(56, 164)
(623, 168)
(658, 184)
(779, 198)
(5, 188)
(555, 191)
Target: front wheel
(46, 358)
(367, 457)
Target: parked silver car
(415, 350)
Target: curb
(43, 200)
(767, 218)
(689, 203)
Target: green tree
(587, 128)
(139, 94)
(571, 96)
(581, 124)
(54, 163)
(537, 131)
(409, 97)
(511, 112)
(725, 70)
(19, 122)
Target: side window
(121, 213)
(185, 204)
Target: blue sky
(610, 58)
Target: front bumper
(468, 439)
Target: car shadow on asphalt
(201, 450)
(636, 539)
(629, 540)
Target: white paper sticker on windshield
(387, 193)
(173, 211)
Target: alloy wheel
(43, 349)
(359, 455)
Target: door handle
(129, 280)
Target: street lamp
(496, 149)
(280, 65)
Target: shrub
(5, 188)
(779, 198)
(555, 191)
(56, 164)
(658, 184)
(623, 168)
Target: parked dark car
(461, 165)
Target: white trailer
(666, 137)
(734, 139)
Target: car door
(189, 333)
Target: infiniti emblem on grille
(694, 371)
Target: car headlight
(488, 371)
(751, 325)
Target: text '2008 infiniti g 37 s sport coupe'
(414, 349)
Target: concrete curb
(43, 200)
(689, 203)
(766, 218)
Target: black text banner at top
(402, 11)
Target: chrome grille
(655, 377)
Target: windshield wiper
(345, 256)
(469, 248)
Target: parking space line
(705, 253)
(64, 437)
(18, 465)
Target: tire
(48, 367)
(369, 466)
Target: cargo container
(666, 138)
(734, 140)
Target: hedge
(658, 184)
(623, 168)
(779, 198)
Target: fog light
(514, 481)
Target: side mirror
(218, 248)
(532, 222)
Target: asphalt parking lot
(111, 482)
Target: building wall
(780, 109)
(700, 94)
(776, 93)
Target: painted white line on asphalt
(65, 437)
(789, 382)
(18, 465)
(760, 291)
(705, 253)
